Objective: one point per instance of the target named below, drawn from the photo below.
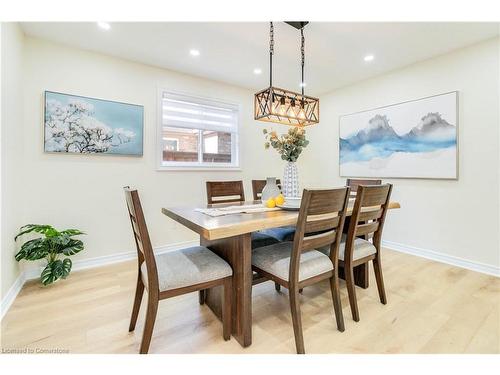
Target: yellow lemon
(270, 203)
(280, 199)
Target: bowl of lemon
(292, 204)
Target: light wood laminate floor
(432, 308)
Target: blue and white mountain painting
(380, 140)
(411, 139)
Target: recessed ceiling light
(104, 25)
(194, 52)
(369, 58)
(257, 71)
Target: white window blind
(188, 112)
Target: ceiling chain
(271, 53)
(303, 58)
(271, 38)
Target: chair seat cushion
(260, 239)
(362, 248)
(275, 259)
(282, 234)
(185, 267)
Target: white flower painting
(75, 124)
(416, 139)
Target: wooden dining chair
(297, 264)
(353, 183)
(225, 192)
(368, 217)
(173, 273)
(258, 186)
(232, 192)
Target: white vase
(271, 190)
(290, 184)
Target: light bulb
(291, 108)
(302, 112)
(282, 105)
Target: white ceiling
(229, 52)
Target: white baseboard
(12, 294)
(34, 273)
(443, 258)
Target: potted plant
(52, 246)
(289, 146)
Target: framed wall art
(82, 125)
(414, 139)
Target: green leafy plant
(289, 145)
(52, 246)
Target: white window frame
(200, 165)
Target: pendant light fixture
(282, 106)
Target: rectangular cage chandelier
(274, 104)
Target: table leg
(361, 276)
(237, 252)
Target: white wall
(85, 191)
(11, 149)
(455, 218)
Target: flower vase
(271, 190)
(290, 184)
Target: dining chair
(173, 273)
(258, 186)
(297, 264)
(231, 192)
(368, 217)
(353, 183)
(225, 192)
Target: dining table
(229, 236)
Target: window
(197, 133)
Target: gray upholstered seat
(275, 259)
(190, 266)
(362, 248)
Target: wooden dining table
(229, 236)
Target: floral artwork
(416, 139)
(76, 124)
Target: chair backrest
(353, 183)
(258, 186)
(320, 222)
(368, 216)
(141, 235)
(225, 192)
